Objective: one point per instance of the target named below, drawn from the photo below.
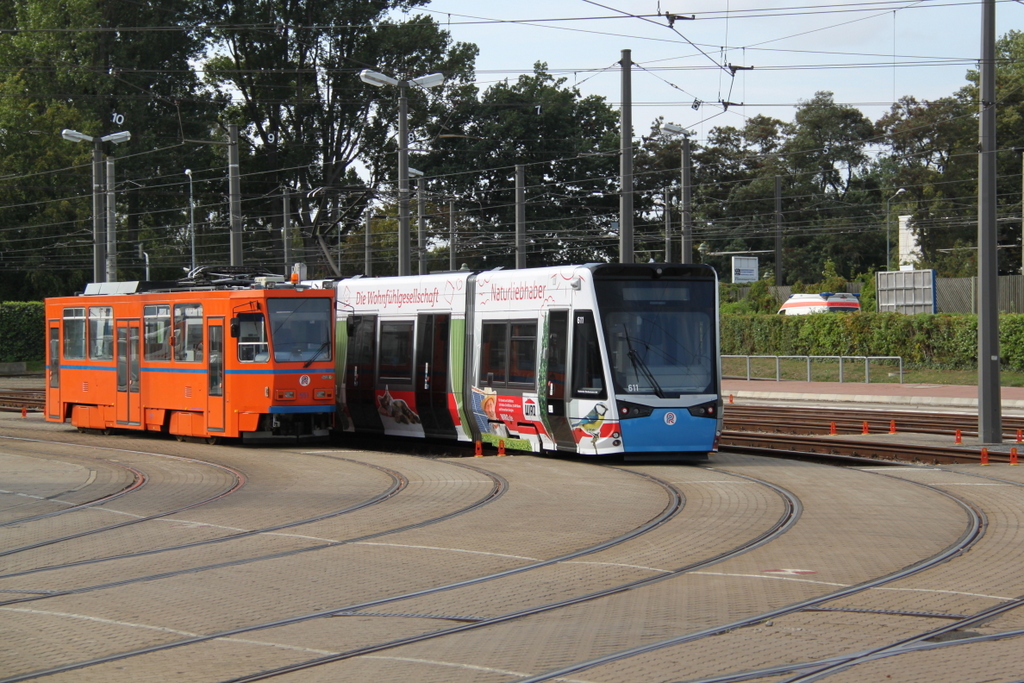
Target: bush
(941, 340)
(22, 331)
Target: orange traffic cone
(984, 456)
(832, 429)
(892, 426)
(501, 447)
(1013, 455)
(959, 438)
(479, 447)
(24, 411)
(865, 429)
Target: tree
(306, 116)
(568, 145)
(64, 66)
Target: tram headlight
(709, 409)
(285, 394)
(322, 394)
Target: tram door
(360, 374)
(128, 408)
(431, 375)
(557, 351)
(215, 375)
(53, 407)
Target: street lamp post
(686, 191)
(380, 80)
(99, 250)
(191, 219)
(888, 255)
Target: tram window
(74, 334)
(300, 328)
(508, 353)
(188, 332)
(493, 347)
(396, 352)
(216, 370)
(523, 354)
(157, 339)
(252, 338)
(101, 332)
(587, 367)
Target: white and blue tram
(596, 359)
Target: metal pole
(286, 228)
(687, 197)
(234, 196)
(367, 244)
(421, 232)
(989, 408)
(888, 249)
(668, 225)
(626, 163)
(99, 238)
(404, 265)
(520, 216)
(111, 225)
(451, 234)
(191, 219)
(778, 231)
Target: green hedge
(942, 340)
(22, 331)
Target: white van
(825, 302)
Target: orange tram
(221, 354)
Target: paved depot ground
(855, 525)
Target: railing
(842, 359)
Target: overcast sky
(867, 53)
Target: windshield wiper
(640, 367)
(323, 347)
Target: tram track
(790, 513)
(30, 399)
(138, 480)
(930, 639)
(400, 482)
(973, 532)
(836, 449)
(850, 421)
(673, 506)
(236, 477)
(801, 671)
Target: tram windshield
(300, 329)
(660, 335)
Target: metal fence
(866, 360)
(959, 294)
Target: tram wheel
(212, 440)
(179, 437)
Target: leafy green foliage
(940, 340)
(567, 144)
(22, 331)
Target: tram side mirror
(490, 380)
(235, 327)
